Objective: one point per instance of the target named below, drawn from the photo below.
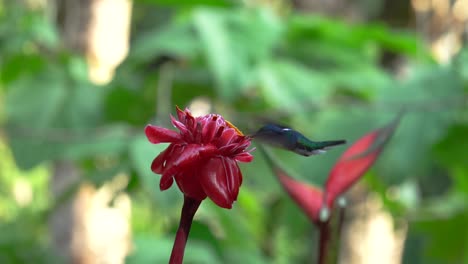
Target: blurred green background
(79, 80)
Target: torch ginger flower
(202, 158)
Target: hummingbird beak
(252, 135)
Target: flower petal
(227, 136)
(198, 133)
(157, 166)
(235, 179)
(243, 143)
(189, 155)
(167, 176)
(356, 160)
(216, 178)
(244, 157)
(184, 131)
(189, 184)
(181, 114)
(165, 182)
(228, 149)
(189, 121)
(157, 135)
(209, 129)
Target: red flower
(202, 157)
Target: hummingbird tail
(317, 148)
(331, 143)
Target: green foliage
(322, 76)
(440, 236)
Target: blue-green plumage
(287, 138)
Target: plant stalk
(189, 209)
(324, 239)
(330, 237)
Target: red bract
(307, 196)
(202, 157)
(355, 161)
(351, 166)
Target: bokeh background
(79, 80)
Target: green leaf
(176, 39)
(50, 116)
(19, 65)
(302, 27)
(445, 206)
(185, 4)
(148, 249)
(100, 176)
(158, 250)
(43, 30)
(290, 85)
(364, 81)
(218, 49)
(36, 101)
(451, 150)
(142, 154)
(447, 238)
(234, 42)
(24, 234)
(461, 64)
(129, 106)
(201, 231)
(30, 148)
(432, 98)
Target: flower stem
(330, 237)
(189, 209)
(324, 233)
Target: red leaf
(307, 196)
(356, 160)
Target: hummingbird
(290, 139)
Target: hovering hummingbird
(290, 139)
